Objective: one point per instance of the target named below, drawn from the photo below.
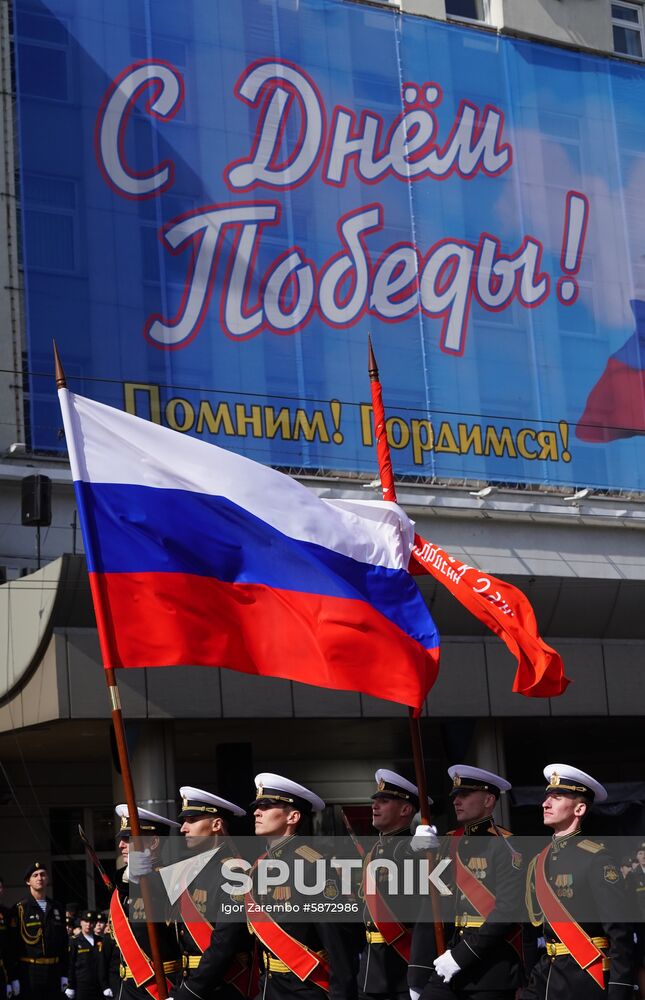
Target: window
(43, 64)
(50, 223)
(469, 10)
(627, 25)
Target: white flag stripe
(109, 446)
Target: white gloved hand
(70, 993)
(446, 967)
(108, 993)
(64, 983)
(15, 987)
(139, 863)
(9, 991)
(425, 838)
(414, 994)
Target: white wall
(586, 23)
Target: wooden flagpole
(389, 493)
(126, 773)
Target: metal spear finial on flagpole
(389, 493)
(124, 760)
(61, 381)
(380, 428)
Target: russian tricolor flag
(615, 407)
(200, 556)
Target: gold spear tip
(61, 381)
(372, 367)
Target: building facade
(572, 541)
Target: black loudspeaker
(37, 501)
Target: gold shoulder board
(589, 845)
(308, 853)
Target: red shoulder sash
(303, 962)
(395, 934)
(478, 895)
(570, 933)
(239, 974)
(199, 928)
(134, 957)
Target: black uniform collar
(404, 832)
(557, 843)
(481, 826)
(277, 845)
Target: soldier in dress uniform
(216, 952)
(387, 966)
(626, 866)
(39, 941)
(483, 955)
(110, 964)
(307, 960)
(127, 911)
(84, 972)
(635, 886)
(575, 892)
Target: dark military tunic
(635, 887)
(383, 971)
(110, 962)
(229, 953)
(329, 939)
(490, 964)
(133, 905)
(84, 968)
(40, 943)
(587, 882)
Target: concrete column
(151, 747)
(488, 752)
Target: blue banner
(219, 202)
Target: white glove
(425, 838)
(64, 983)
(15, 987)
(139, 863)
(9, 991)
(108, 993)
(70, 993)
(414, 994)
(446, 967)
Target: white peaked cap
(476, 779)
(571, 779)
(146, 817)
(283, 791)
(196, 800)
(389, 782)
